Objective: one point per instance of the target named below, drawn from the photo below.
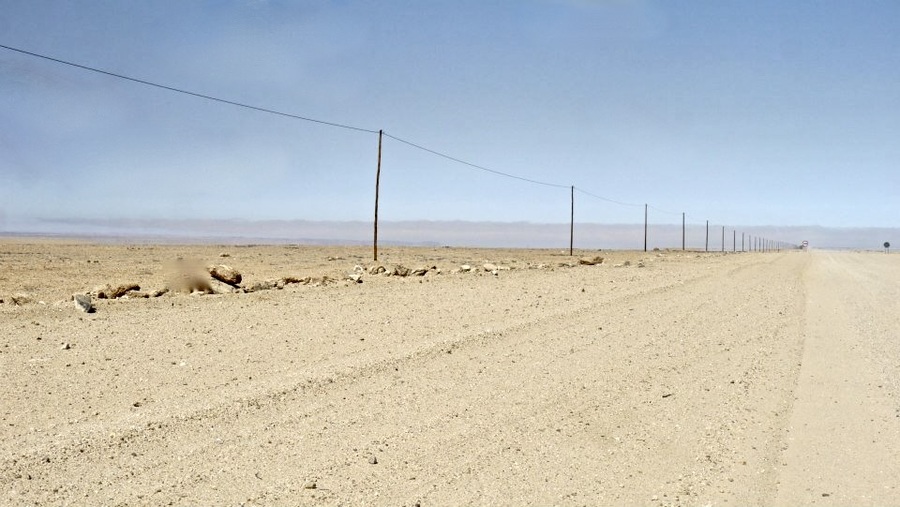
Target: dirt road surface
(663, 378)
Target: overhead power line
(664, 211)
(595, 196)
(476, 166)
(187, 92)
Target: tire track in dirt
(536, 411)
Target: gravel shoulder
(662, 378)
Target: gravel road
(664, 378)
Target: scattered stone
(359, 269)
(83, 303)
(401, 270)
(490, 267)
(264, 285)
(465, 268)
(420, 272)
(373, 460)
(101, 291)
(293, 279)
(225, 274)
(122, 290)
(20, 300)
(590, 261)
(641, 264)
(159, 292)
(626, 263)
(309, 485)
(219, 287)
(377, 270)
(325, 280)
(224, 254)
(65, 346)
(355, 277)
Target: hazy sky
(761, 112)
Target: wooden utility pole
(377, 184)
(707, 236)
(723, 238)
(645, 227)
(682, 231)
(572, 223)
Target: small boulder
(401, 270)
(465, 268)
(420, 272)
(122, 290)
(590, 261)
(490, 267)
(83, 303)
(376, 270)
(220, 287)
(225, 274)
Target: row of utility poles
(753, 243)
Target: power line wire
(476, 166)
(187, 92)
(595, 196)
(664, 211)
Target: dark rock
(225, 274)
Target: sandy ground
(663, 378)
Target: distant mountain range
(450, 233)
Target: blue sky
(741, 113)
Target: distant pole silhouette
(572, 223)
(723, 238)
(706, 249)
(682, 231)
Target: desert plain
(652, 378)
